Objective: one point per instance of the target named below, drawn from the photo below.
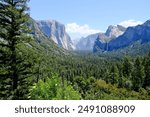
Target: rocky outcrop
(56, 32)
(130, 36)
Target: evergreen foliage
(38, 69)
(14, 64)
(138, 75)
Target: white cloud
(83, 30)
(128, 23)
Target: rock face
(87, 44)
(114, 31)
(130, 36)
(37, 33)
(56, 31)
(41, 42)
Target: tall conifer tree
(14, 68)
(147, 71)
(138, 75)
(114, 75)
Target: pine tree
(138, 75)
(13, 34)
(114, 75)
(147, 71)
(127, 68)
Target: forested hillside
(33, 67)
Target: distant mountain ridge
(87, 43)
(116, 38)
(130, 36)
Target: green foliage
(127, 67)
(138, 75)
(27, 63)
(52, 88)
(146, 63)
(14, 67)
(128, 84)
(102, 90)
(114, 75)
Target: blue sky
(83, 17)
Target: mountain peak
(115, 31)
(147, 23)
(111, 27)
(122, 28)
(132, 36)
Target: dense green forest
(33, 70)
